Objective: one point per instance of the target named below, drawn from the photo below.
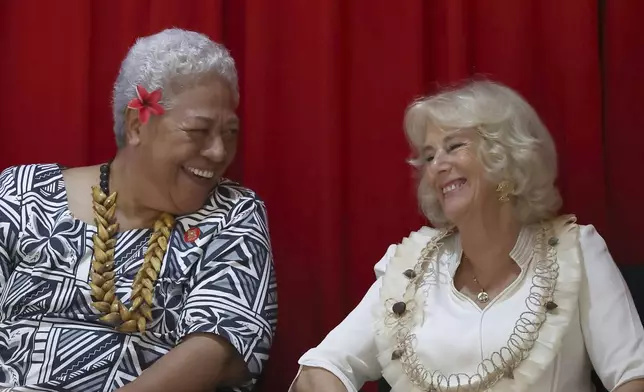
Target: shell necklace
(115, 313)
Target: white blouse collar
(521, 253)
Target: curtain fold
(623, 59)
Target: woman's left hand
(200, 363)
(631, 386)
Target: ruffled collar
(562, 248)
(521, 253)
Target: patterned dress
(222, 282)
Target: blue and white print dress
(50, 339)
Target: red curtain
(623, 63)
(324, 84)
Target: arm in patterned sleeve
(227, 323)
(9, 222)
(233, 292)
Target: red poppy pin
(146, 103)
(191, 235)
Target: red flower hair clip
(146, 103)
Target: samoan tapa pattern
(50, 338)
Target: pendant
(483, 297)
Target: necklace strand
(482, 296)
(102, 282)
(402, 318)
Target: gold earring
(504, 188)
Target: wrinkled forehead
(421, 124)
(204, 100)
(437, 136)
(435, 116)
(206, 119)
(210, 87)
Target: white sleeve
(349, 350)
(612, 329)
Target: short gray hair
(516, 145)
(163, 59)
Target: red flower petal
(142, 93)
(154, 96)
(146, 103)
(135, 104)
(155, 108)
(191, 235)
(144, 115)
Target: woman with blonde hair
(502, 294)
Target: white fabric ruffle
(545, 349)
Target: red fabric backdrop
(324, 84)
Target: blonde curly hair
(516, 146)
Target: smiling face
(455, 174)
(182, 155)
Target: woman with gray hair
(167, 286)
(502, 294)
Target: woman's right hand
(312, 379)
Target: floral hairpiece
(146, 103)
